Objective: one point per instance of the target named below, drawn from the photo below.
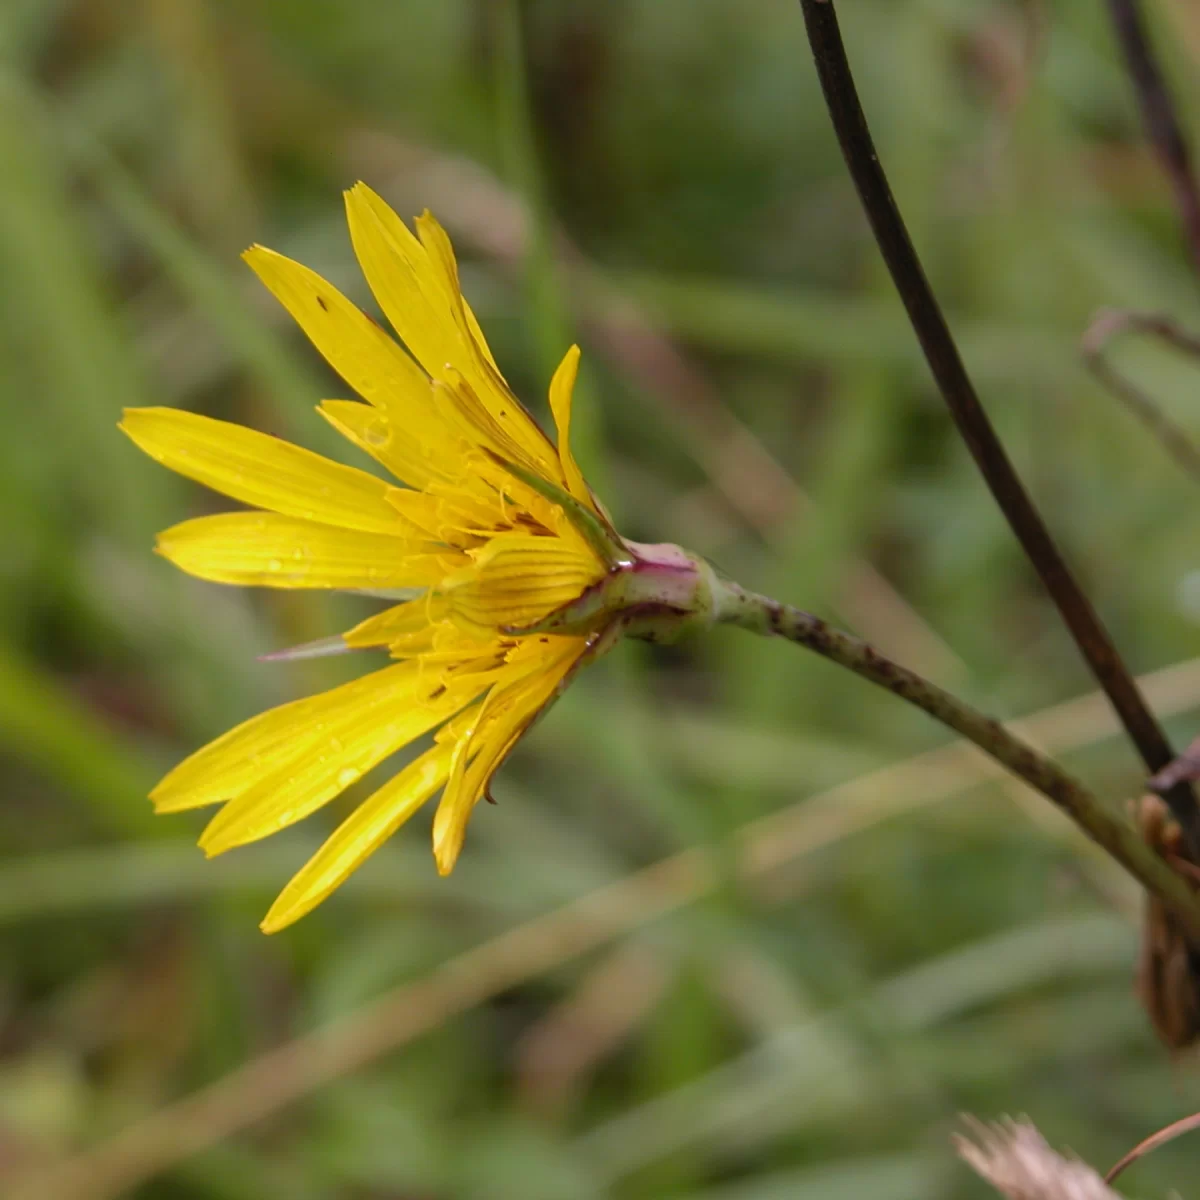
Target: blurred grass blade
(42, 724)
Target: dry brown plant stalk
(1168, 977)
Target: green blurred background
(803, 951)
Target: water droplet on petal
(274, 565)
(347, 776)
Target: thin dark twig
(1186, 766)
(1163, 127)
(850, 124)
(1111, 323)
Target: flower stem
(768, 617)
(929, 324)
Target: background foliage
(802, 1001)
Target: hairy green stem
(768, 617)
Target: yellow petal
(355, 346)
(268, 550)
(370, 361)
(406, 703)
(395, 443)
(517, 580)
(226, 767)
(448, 515)
(419, 628)
(436, 242)
(397, 269)
(262, 470)
(459, 728)
(562, 388)
(472, 423)
(403, 621)
(359, 836)
(416, 285)
(507, 713)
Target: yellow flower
(511, 575)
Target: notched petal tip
(283, 913)
(138, 423)
(261, 259)
(428, 223)
(128, 416)
(222, 834)
(359, 193)
(169, 796)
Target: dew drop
(274, 565)
(347, 776)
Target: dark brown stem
(850, 124)
(1159, 117)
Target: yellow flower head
(511, 573)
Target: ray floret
(509, 573)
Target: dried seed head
(1016, 1160)
(1168, 976)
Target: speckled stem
(768, 617)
